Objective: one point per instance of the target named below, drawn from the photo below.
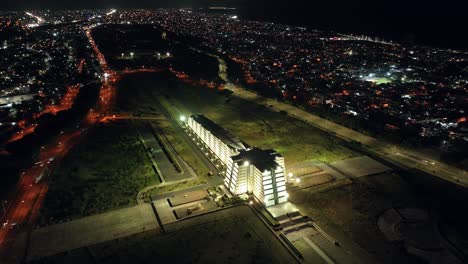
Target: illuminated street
(24, 207)
(233, 132)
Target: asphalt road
(408, 159)
(23, 208)
(397, 155)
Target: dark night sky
(437, 23)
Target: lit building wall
(222, 150)
(259, 172)
(255, 171)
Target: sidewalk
(401, 157)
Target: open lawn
(183, 149)
(257, 125)
(137, 93)
(142, 46)
(54, 239)
(234, 235)
(104, 172)
(355, 208)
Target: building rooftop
(263, 159)
(219, 132)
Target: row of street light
(132, 54)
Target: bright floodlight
(298, 180)
(182, 118)
(168, 54)
(131, 54)
(290, 174)
(111, 12)
(246, 163)
(234, 17)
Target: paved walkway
(401, 157)
(250, 219)
(169, 163)
(397, 155)
(91, 230)
(360, 166)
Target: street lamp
(182, 118)
(131, 54)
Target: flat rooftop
(360, 166)
(263, 159)
(218, 131)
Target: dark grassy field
(137, 93)
(142, 46)
(255, 124)
(355, 209)
(183, 149)
(231, 236)
(105, 171)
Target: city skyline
(420, 22)
(199, 135)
